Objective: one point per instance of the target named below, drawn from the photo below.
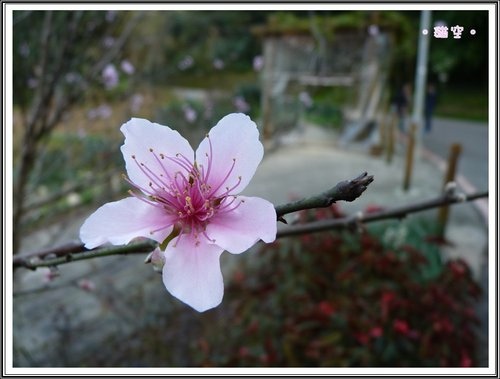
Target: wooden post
(455, 150)
(409, 157)
(390, 130)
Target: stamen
(145, 191)
(162, 228)
(227, 208)
(209, 156)
(142, 198)
(228, 190)
(207, 237)
(161, 164)
(150, 174)
(225, 178)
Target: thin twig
(397, 212)
(69, 255)
(347, 190)
(76, 252)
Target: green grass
(463, 103)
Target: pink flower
(218, 64)
(110, 76)
(258, 63)
(241, 104)
(186, 63)
(306, 99)
(188, 202)
(108, 41)
(86, 285)
(190, 114)
(127, 67)
(136, 102)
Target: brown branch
(347, 190)
(76, 251)
(397, 212)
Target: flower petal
(140, 137)
(192, 272)
(121, 221)
(235, 137)
(237, 230)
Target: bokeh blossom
(188, 202)
(190, 115)
(258, 62)
(241, 104)
(218, 64)
(108, 42)
(127, 67)
(110, 76)
(305, 99)
(136, 102)
(186, 63)
(103, 111)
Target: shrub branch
(347, 190)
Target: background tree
(58, 56)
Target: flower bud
(157, 259)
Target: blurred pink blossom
(218, 64)
(32, 82)
(110, 76)
(49, 274)
(24, 49)
(190, 114)
(86, 285)
(108, 41)
(110, 16)
(258, 62)
(127, 67)
(103, 111)
(241, 105)
(136, 102)
(186, 63)
(306, 99)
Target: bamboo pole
(390, 130)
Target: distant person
(401, 102)
(430, 105)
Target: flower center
(186, 195)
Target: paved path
(473, 136)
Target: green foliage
(326, 108)
(203, 36)
(463, 102)
(464, 59)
